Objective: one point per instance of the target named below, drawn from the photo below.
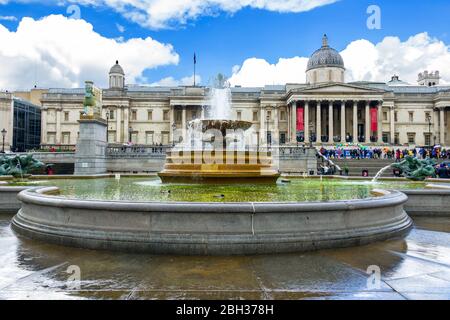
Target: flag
(195, 58)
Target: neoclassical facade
(325, 110)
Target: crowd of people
(394, 154)
(384, 153)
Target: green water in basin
(151, 189)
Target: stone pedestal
(90, 156)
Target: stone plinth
(90, 155)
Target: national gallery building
(325, 110)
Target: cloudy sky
(61, 43)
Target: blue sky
(228, 39)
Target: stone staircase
(372, 165)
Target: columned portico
(330, 123)
(319, 121)
(442, 126)
(343, 121)
(306, 123)
(380, 122)
(293, 122)
(367, 122)
(355, 122)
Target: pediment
(340, 88)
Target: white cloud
(8, 18)
(159, 14)
(172, 82)
(65, 52)
(363, 60)
(120, 28)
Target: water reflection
(151, 189)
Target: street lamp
(107, 125)
(130, 131)
(429, 127)
(310, 134)
(267, 133)
(3, 135)
(174, 127)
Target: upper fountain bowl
(222, 125)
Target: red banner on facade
(300, 119)
(374, 119)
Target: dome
(325, 57)
(117, 69)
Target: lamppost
(107, 125)
(174, 127)
(310, 134)
(130, 131)
(429, 127)
(267, 133)
(3, 135)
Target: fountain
(412, 168)
(215, 150)
(19, 166)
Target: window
(283, 115)
(385, 116)
(282, 137)
(385, 137)
(165, 137)
(111, 136)
(166, 115)
(239, 115)
(150, 115)
(396, 139)
(411, 138)
(269, 115)
(134, 137)
(395, 116)
(66, 116)
(255, 115)
(427, 139)
(411, 116)
(134, 115)
(111, 114)
(65, 138)
(149, 137)
(51, 137)
(179, 116)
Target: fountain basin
(209, 228)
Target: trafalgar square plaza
(323, 177)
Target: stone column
(343, 131)
(126, 124)
(392, 124)
(262, 127)
(171, 120)
(367, 133)
(306, 122)
(294, 122)
(44, 126)
(355, 122)
(319, 121)
(275, 133)
(119, 125)
(58, 126)
(330, 123)
(380, 122)
(442, 126)
(184, 124)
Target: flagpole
(195, 64)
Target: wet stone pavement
(416, 267)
